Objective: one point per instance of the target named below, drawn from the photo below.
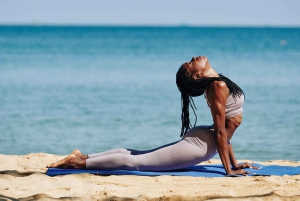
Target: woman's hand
(246, 165)
(241, 172)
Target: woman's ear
(196, 76)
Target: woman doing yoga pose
(199, 143)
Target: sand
(23, 178)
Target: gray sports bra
(233, 105)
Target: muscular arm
(218, 93)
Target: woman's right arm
(217, 97)
(218, 94)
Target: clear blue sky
(152, 12)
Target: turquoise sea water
(98, 88)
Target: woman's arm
(232, 157)
(234, 164)
(218, 93)
(217, 96)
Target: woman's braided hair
(190, 87)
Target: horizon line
(145, 25)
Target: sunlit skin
(75, 160)
(217, 93)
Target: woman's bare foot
(71, 161)
(79, 154)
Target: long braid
(190, 87)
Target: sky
(280, 13)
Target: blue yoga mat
(194, 171)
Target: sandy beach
(23, 178)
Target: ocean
(100, 88)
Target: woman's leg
(126, 151)
(197, 146)
(162, 159)
(80, 159)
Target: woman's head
(193, 73)
(199, 67)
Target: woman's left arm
(232, 157)
(233, 161)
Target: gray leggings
(195, 147)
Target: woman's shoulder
(218, 86)
(217, 91)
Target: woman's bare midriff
(232, 123)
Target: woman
(198, 144)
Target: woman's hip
(202, 138)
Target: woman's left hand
(246, 165)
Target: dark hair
(190, 87)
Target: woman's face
(197, 65)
